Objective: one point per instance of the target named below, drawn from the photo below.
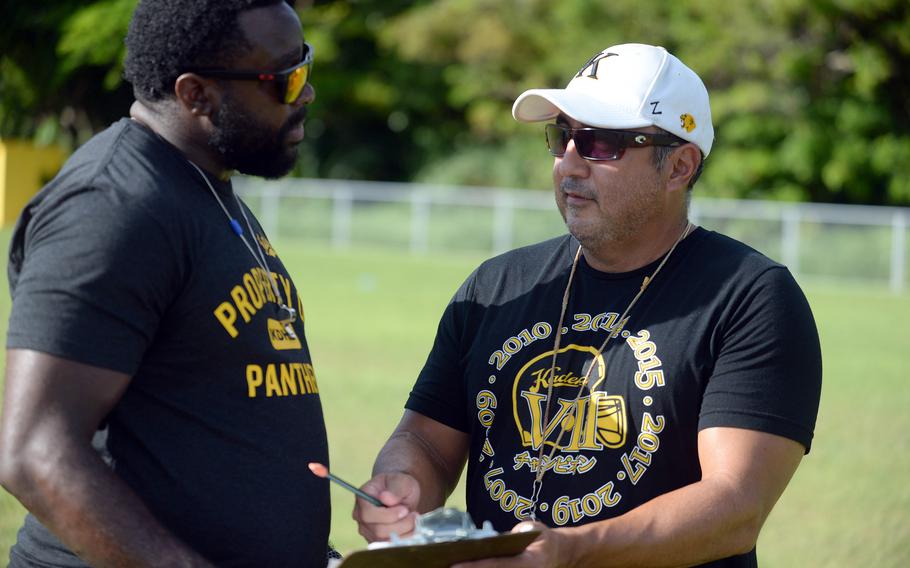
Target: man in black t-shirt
(149, 303)
(640, 390)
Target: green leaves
(60, 75)
(93, 36)
(811, 98)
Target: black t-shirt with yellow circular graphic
(126, 261)
(722, 336)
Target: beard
(251, 147)
(597, 224)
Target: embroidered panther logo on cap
(687, 121)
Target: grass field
(371, 316)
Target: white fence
(859, 243)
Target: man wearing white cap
(640, 390)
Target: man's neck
(189, 141)
(640, 250)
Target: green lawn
(371, 316)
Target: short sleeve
(440, 390)
(768, 373)
(97, 271)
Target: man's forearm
(93, 511)
(695, 524)
(408, 452)
(743, 474)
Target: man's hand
(414, 473)
(400, 493)
(550, 550)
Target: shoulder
(535, 256)
(123, 188)
(741, 278)
(115, 150)
(517, 271)
(722, 276)
(720, 261)
(122, 175)
(723, 252)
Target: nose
(307, 95)
(572, 164)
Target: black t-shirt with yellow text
(722, 337)
(126, 261)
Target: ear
(196, 94)
(683, 164)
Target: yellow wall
(24, 168)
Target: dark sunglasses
(603, 143)
(290, 81)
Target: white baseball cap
(629, 86)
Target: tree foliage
(60, 68)
(811, 98)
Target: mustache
(295, 119)
(576, 186)
(300, 115)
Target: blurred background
(811, 98)
(413, 171)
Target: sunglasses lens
(598, 144)
(296, 82)
(557, 139)
(591, 144)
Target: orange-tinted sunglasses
(290, 81)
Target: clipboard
(441, 554)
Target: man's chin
(588, 234)
(271, 169)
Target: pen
(322, 471)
